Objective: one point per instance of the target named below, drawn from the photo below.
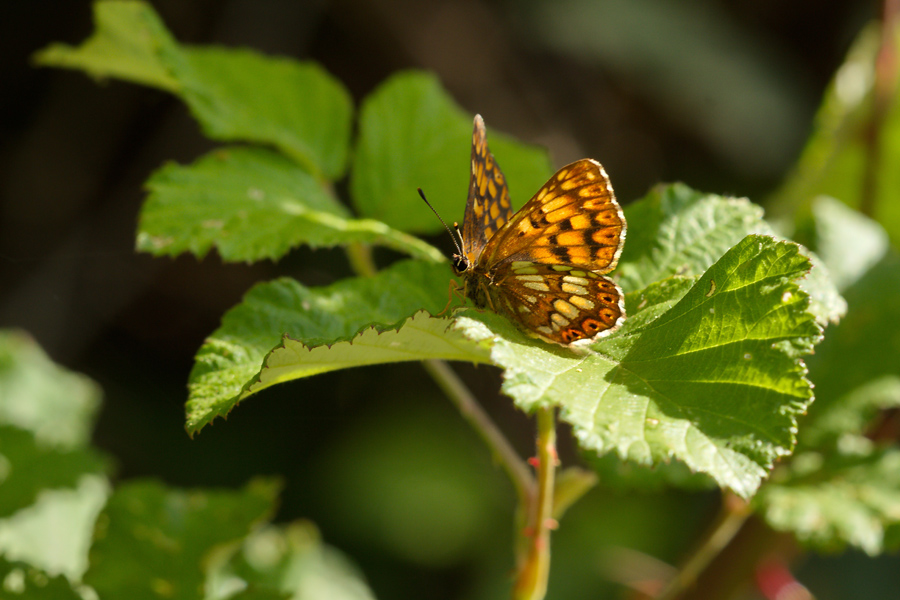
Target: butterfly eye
(460, 264)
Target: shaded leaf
(866, 344)
(232, 357)
(420, 337)
(29, 467)
(292, 562)
(849, 243)
(412, 134)
(252, 204)
(152, 541)
(832, 501)
(851, 413)
(24, 582)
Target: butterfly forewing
(488, 206)
(574, 219)
(558, 303)
(543, 267)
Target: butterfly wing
(558, 303)
(573, 219)
(488, 206)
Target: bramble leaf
(836, 499)
(127, 42)
(292, 562)
(29, 583)
(235, 94)
(675, 230)
(298, 107)
(412, 134)
(715, 381)
(252, 204)
(154, 541)
(231, 359)
(704, 370)
(46, 418)
(56, 405)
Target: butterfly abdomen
(543, 266)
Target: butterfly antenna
(450, 231)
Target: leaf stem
(360, 257)
(460, 395)
(732, 517)
(531, 580)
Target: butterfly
(544, 266)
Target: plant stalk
(884, 91)
(503, 452)
(531, 580)
(732, 517)
(360, 257)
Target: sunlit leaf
(252, 204)
(715, 381)
(126, 44)
(233, 356)
(413, 135)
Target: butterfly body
(544, 266)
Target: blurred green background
(717, 94)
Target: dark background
(717, 94)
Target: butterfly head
(461, 263)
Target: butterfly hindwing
(573, 219)
(488, 207)
(543, 267)
(558, 303)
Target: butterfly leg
(454, 290)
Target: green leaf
(863, 347)
(836, 500)
(252, 204)
(236, 95)
(851, 413)
(152, 541)
(24, 582)
(716, 381)
(412, 134)
(126, 44)
(292, 561)
(56, 405)
(628, 476)
(420, 337)
(55, 532)
(232, 356)
(849, 243)
(28, 467)
(675, 230)
(838, 158)
(297, 107)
